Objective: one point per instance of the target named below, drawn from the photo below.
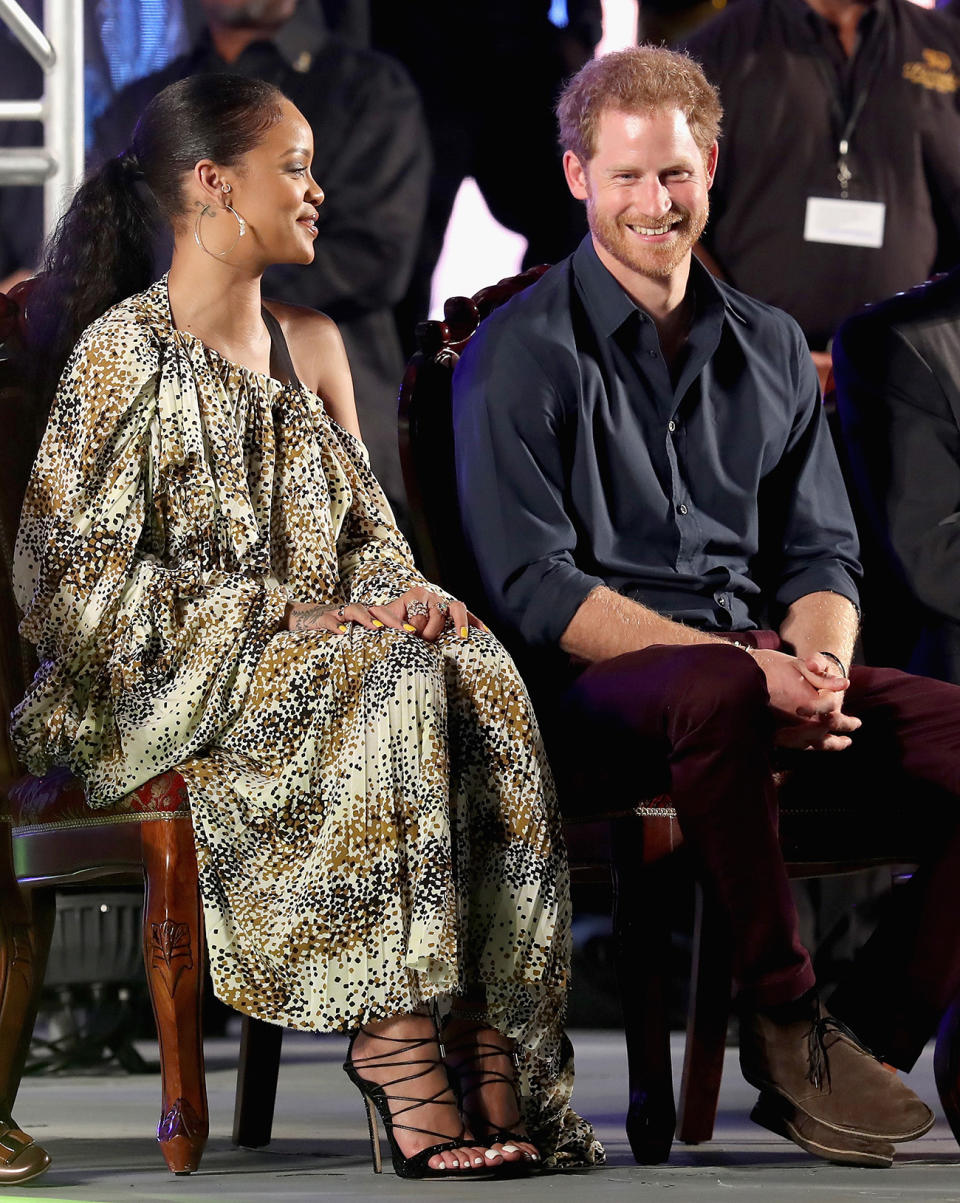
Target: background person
(839, 181)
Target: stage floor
(99, 1132)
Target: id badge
(844, 222)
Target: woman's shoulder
(316, 347)
(132, 330)
(303, 326)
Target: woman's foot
(483, 1061)
(403, 1056)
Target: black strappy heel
(376, 1098)
(470, 1074)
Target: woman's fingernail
(377, 622)
(408, 627)
(342, 630)
(463, 632)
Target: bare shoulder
(319, 358)
(313, 339)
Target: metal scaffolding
(58, 163)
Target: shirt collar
(297, 42)
(610, 306)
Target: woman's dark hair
(102, 250)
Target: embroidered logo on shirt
(933, 73)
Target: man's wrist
(837, 661)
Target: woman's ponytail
(100, 253)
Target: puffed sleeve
(374, 560)
(143, 656)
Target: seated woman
(214, 582)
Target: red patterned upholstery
(56, 802)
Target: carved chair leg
(173, 950)
(256, 1082)
(707, 1016)
(27, 930)
(642, 940)
(946, 1066)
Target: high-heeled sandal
(376, 1098)
(470, 1073)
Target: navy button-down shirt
(711, 495)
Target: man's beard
(648, 259)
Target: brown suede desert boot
(816, 1065)
(842, 1148)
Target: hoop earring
(240, 233)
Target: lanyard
(845, 118)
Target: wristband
(837, 661)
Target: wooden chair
(637, 842)
(57, 840)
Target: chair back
(426, 437)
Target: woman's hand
(425, 613)
(418, 611)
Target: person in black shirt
(897, 370)
(654, 504)
(799, 80)
(489, 74)
(373, 162)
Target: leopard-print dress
(374, 818)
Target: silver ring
(417, 607)
(442, 606)
(340, 610)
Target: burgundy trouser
(695, 720)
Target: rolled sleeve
(820, 544)
(508, 431)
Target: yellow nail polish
(463, 632)
(342, 630)
(377, 622)
(408, 627)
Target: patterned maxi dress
(374, 818)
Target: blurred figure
(489, 75)
(897, 368)
(372, 161)
(839, 181)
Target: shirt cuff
(558, 595)
(819, 578)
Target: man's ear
(711, 163)
(575, 174)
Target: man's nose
(654, 198)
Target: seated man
(651, 493)
(897, 372)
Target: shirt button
(652, 354)
(671, 426)
(682, 508)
